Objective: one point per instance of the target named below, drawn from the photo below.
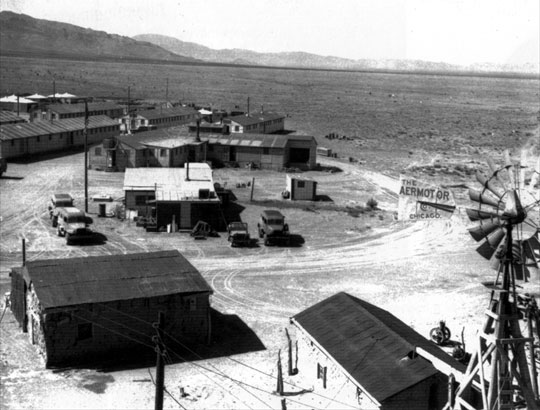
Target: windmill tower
(508, 220)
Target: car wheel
(266, 241)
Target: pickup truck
(238, 234)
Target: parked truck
(272, 228)
(58, 201)
(73, 225)
(238, 234)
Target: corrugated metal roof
(10, 117)
(170, 184)
(255, 118)
(39, 128)
(370, 344)
(156, 137)
(166, 112)
(95, 279)
(79, 107)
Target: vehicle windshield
(63, 203)
(76, 219)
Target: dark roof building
(63, 111)
(383, 362)
(73, 308)
(23, 139)
(8, 117)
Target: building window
(193, 303)
(97, 152)
(301, 184)
(237, 128)
(37, 138)
(266, 151)
(321, 373)
(50, 137)
(84, 331)
(162, 152)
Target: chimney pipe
(198, 138)
(23, 251)
(248, 107)
(17, 105)
(187, 171)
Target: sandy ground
(421, 272)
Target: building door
(191, 155)
(185, 215)
(71, 138)
(232, 154)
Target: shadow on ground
(96, 239)
(230, 336)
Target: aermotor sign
(420, 201)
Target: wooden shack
(300, 188)
(369, 358)
(83, 310)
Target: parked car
(272, 228)
(58, 201)
(238, 234)
(73, 224)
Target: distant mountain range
(307, 60)
(24, 35)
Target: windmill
(507, 218)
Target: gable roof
(254, 140)
(371, 344)
(157, 137)
(95, 279)
(79, 107)
(255, 118)
(166, 112)
(38, 128)
(8, 117)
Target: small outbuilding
(82, 310)
(174, 196)
(370, 358)
(300, 188)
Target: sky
(459, 32)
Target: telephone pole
(86, 121)
(160, 364)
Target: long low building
(26, 139)
(266, 151)
(158, 118)
(64, 111)
(174, 196)
(174, 147)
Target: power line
(113, 331)
(230, 358)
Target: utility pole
(86, 121)
(167, 92)
(160, 365)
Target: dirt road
(421, 272)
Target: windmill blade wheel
(505, 203)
